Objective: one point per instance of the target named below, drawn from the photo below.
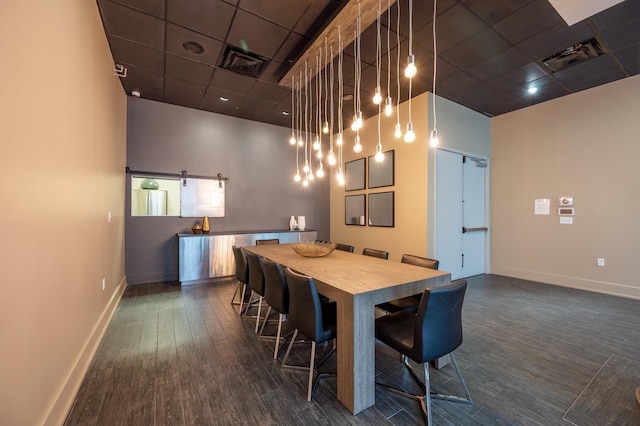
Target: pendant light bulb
(292, 141)
(332, 159)
(297, 177)
(320, 171)
(377, 97)
(310, 176)
(398, 131)
(339, 175)
(316, 144)
(357, 148)
(306, 168)
(325, 127)
(410, 136)
(410, 71)
(305, 182)
(300, 142)
(319, 155)
(379, 157)
(434, 138)
(339, 140)
(359, 120)
(388, 106)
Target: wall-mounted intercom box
(565, 202)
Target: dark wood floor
(533, 354)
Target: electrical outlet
(104, 283)
(600, 261)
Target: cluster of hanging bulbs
(304, 125)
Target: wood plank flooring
(182, 356)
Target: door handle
(465, 229)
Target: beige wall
(62, 159)
(584, 145)
(410, 232)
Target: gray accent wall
(260, 193)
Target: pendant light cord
(435, 60)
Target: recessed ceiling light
(223, 99)
(532, 89)
(285, 112)
(193, 47)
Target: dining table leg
(356, 351)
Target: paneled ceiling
(488, 51)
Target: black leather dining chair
(410, 303)
(434, 331)
(276, 293)
(375, 253)
(256, 281)
(345, 247)
(242, 276)
(313, 319)
(269, 241)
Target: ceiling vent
(243, 62)
(573, 55)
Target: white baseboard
(63, 399)
(604, 287)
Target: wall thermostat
(565, 211)
(565, 202)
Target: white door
(460, 220)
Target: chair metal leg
(235, 293)
(425, 399)
(311, 369)
(454, 398)
(244, 288)
(286, 355)
(258, 316)
(275, 352)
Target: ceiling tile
(291, 48)
(184, 93)
(213, 103)
(572, 74)
(520, 26)
(273, 72)
(452, 27)
(629, 58)
(554, 40)
(593, 72)
(494, 10)
(258, 35)
(505, 61)
(228, 80)
(285, 13)
(471, 51)
(133, 25)
(209, 17)
(149, 84)
(152, 7)
(136, 54)
(623, 36)
(519, 77)
(273, 92)
(188, 70)
(316, 16)
(615, 16)
(177, 36)
(455, 83)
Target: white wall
(584, 145)
(62, 156)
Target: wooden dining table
(357, 283)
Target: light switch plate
(566, 220)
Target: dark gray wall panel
(257, 159)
